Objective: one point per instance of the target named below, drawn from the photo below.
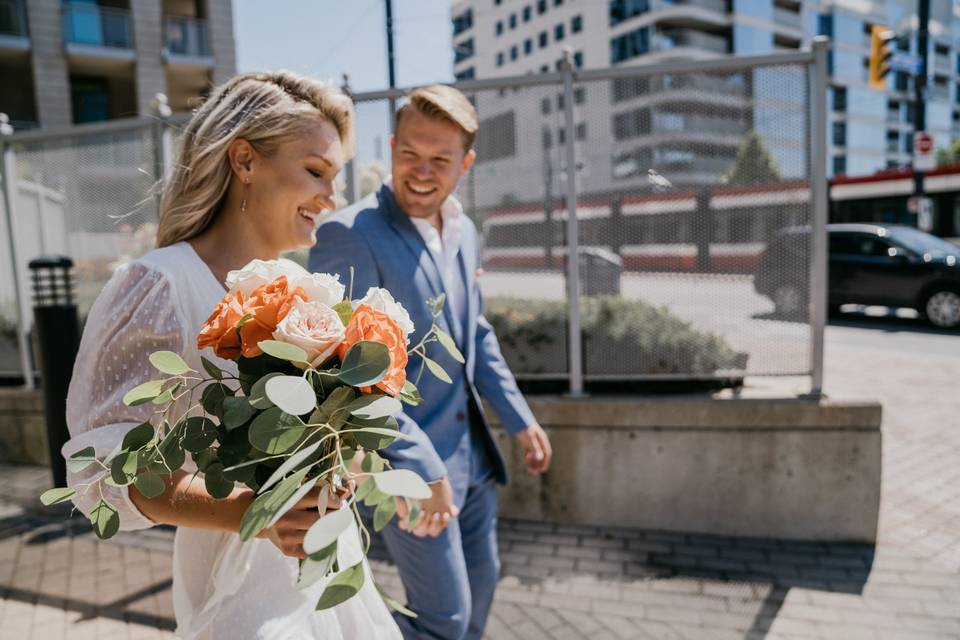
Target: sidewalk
(564, 582)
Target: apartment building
(690, 128)
(78, 61)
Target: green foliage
(949, 156)
(344, 586)
(620, 337)
(56, 495)
(753, 165)
(365, 364)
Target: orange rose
(268, 304)
(220, 329)
(369, 324)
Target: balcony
(13, 26)
(787, 18)
(684, 38)
(92, 32)
(186, 39)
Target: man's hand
(436, 511)
(536, 446)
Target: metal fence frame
(815, 59)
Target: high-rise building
(80, 61)
(690, 127)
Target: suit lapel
(468, 262)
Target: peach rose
(312, 326)
(220, 329)
(268, 304)
(369, 324)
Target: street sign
(906, 63)
(924, 159)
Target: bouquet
(320, 378)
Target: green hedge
(620, 337)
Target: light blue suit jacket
(379, 241)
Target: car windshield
(923, 243)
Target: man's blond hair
(440, 102)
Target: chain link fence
(695, 188)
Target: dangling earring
(243, 202)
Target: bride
(255, 171)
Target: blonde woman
(256, 170)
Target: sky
(327, 38)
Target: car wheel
(942, 309)
(788, 300)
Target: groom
(413, 238)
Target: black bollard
(58, 338)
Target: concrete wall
(767, 468)
(50, 76)
(148, 35)
(23, 435)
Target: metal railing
(13, 18)
(96, 26)
(186, 36)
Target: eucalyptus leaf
(138, 437)
(437, 303)
(105, 520)
(410, 394)
(364, 489)
(208, 366)
(338, 399)
(205, 458)
(444, 338)
(274, 431)
(264, 506)
(258, 393)
(393, 603)
(327, 529)
(123, 468)
(149, 484)
(316, 566)
(169, 454)
(371, 406)
(402, 482)
(143, 393)
(390, 433)
(365, 364)
(344, 586)
(293, 394)
(198, 434)
(415, 510)
(291, 502)
(375, 497)
(373, 441)
(236, 412)
(289, 465)
(81, 459)
(169, 362)
(386, 509)
(217, 486)
(213, 397)
(372, 462)
(166, 396)
(437, 370)
(56, 495)
(283, 350)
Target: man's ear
(468, 161)
(241, 155)
(393, 141)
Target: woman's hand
(288, 532)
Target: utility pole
(391, 73)
(920, 88)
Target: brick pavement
(57, 581)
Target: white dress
(223, 589)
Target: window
(557, 3)
(467, 74)
(578, 59)
(839, 165)
(626, 88)
(463, 51)
(513, 21)
(527, 12)
(541, 7)
(840, 99)
(901, 81)
(561, 136)
(496, 3)
(558, 32)
(545, 106)
(463, 22)
(544, 68)
(579, 95)
(581, 131)
(542, 39)
(499, 138)
(514, 52)
(576, 24)
(858, 244)
(527, 46)
(893, 141)
(547, 138)
(630, 45)
(825, 24)
(500, 59)
(621, 10)
(840, 134)
(499, 27)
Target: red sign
(923, 142)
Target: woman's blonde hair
(266, 110)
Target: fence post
(818, 228)
(574, 347)
(9, 179)
(162, 152)
(352, 180)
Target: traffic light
(880, 53)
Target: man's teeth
(309, 215)
(421, 190)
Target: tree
(947, 156)
(753, 164)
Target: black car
(870, 264)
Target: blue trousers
(450, 580)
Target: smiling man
(413, 239)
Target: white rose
(320, 287)
(259, 272)
(314, 327)
(381, 300)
